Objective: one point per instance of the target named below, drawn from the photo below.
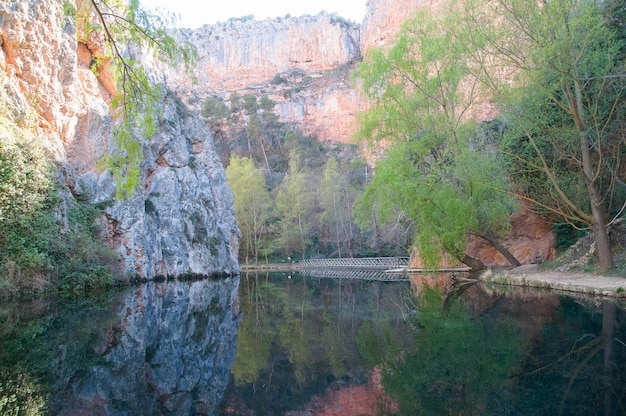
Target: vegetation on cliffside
(557, 76)
(294, 196)
(48, 239)
(37, 252)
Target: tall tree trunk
(600, 233)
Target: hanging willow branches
(133, 36)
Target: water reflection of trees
(486, 352)
(299, 337)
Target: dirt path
(530, 275)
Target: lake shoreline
(530, 275)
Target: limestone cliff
(301, 63)
(384, 18)
(181, 220)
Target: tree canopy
(564, 106)
(437, 169)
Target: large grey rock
(181, 220)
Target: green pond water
(285, 344)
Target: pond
(279, 344)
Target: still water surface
(274, 344)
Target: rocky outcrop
(168, 351)
(181, 220)
(243, 52)
(301, 63)
(530, 239)
(384, 18)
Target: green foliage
(215, 113)
(69, 9)
(278, 79)
(137, 103)
(125, 161)
(20, 395)
(336, 199)
(437, 169)
(294, 204)
(250, 105)
(25, 172)
(36, 254)
(253, 206)
(565, 236)
(565, 112)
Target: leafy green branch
(128, 28)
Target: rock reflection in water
(170, 352)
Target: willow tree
(131, 34)
(564, 104)
(436, 168)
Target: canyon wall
(301, 63)
(304, 64)
(384, 18)
(181, 219)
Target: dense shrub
(35, 252)
(24, 172)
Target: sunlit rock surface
(181, 219)
(168, 352)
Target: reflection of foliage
(580, 367)
(458, 364)
(256, 332)
(30, 345)
(20, 395)
(298, 336)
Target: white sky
(195, 13)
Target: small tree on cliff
(435, 168)
(127, 28)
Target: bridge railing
(361, 274)
(365, 263)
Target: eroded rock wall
(301, 63)
(384, 18)
(181, 219)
